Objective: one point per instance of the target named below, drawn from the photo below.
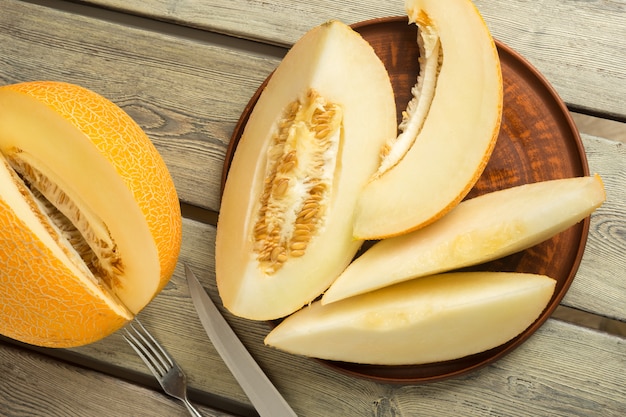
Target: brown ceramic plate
(538, 141)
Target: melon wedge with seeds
(431, 319)
(449, 129)
(90, 223)
(478, 230)
(312, 141)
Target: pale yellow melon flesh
(32, 132)
(457, 136)
(431, 319)
(335, 63)
(478, 230)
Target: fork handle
(192, 410)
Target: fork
(161, 364)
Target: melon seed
(69, 226)
(301, 163)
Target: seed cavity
(301, 164)
(83, 237)
(430, 60)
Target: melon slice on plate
(431, 319)
(482, 229)
(449, 128)
(312, 141)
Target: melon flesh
(484, 228)
(333, 70)
(451, 146)
(431, 319)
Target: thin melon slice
(478, 230)
(312, 141)
(449, 128)
(431, 319)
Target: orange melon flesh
(484, 228)
(340, 66)
(458, 135)
(105, 163)
(431, 319)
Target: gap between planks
(602, 128)
(248, 46)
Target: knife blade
(263, 395)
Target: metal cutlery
(161, 364)
(259, 389)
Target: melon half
(312, 141)
(90, 224)
(449, 129)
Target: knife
(266, 399)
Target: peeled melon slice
(431, 319)
(484, 228)
(90, 225)
(312, 141)
(449, 129)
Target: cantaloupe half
(431, 319)
(449, 129)
(484, 228)
(90, 224)
(284, 231)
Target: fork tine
(165, 355)
(148, 349)
(156, 346)
(161, 364)
(135, 344)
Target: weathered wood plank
(599, 285)
(35, 385)
(552, 368)
(579, 46)
(187, 94)
(539, 379)
(536, 379)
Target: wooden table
(185, 70)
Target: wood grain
(186, 94)
(599, 284)
(36, 385)
(574, 44)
